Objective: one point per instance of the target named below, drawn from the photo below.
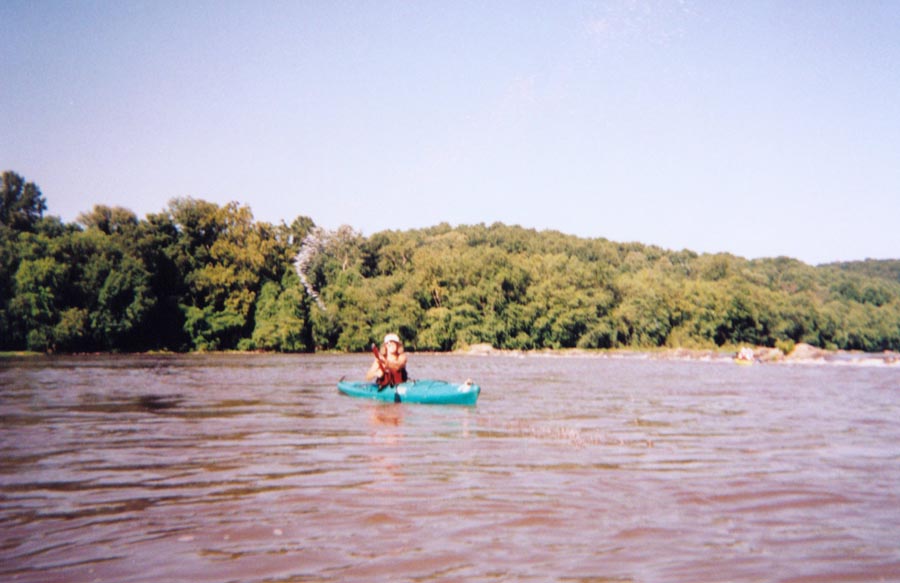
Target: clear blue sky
(756, 128)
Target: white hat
(392, 338)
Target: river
(253, 468)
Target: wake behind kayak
(429, 392)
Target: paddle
(388, 377)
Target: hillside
(888, 269)
(198, 276)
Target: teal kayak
(421, 391)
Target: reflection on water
(254, 468)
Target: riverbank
(801, 354)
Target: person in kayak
(389, 366)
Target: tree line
(200, 276)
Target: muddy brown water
(252, 468)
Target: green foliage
(38, 282)
(123, 302)
(109, 220)
(282, 322)
(888, 269)
(224, 258)
(785, 346)
(21, 203)
(72, 332)
(199, 276)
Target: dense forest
(199, 276)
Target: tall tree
(21, 203)
(109, 220)
(225, 257)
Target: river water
(253, 468)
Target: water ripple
(253, 468)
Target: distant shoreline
(802, 354)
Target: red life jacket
(392, 378)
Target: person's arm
(374, 372)
(399, 363)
